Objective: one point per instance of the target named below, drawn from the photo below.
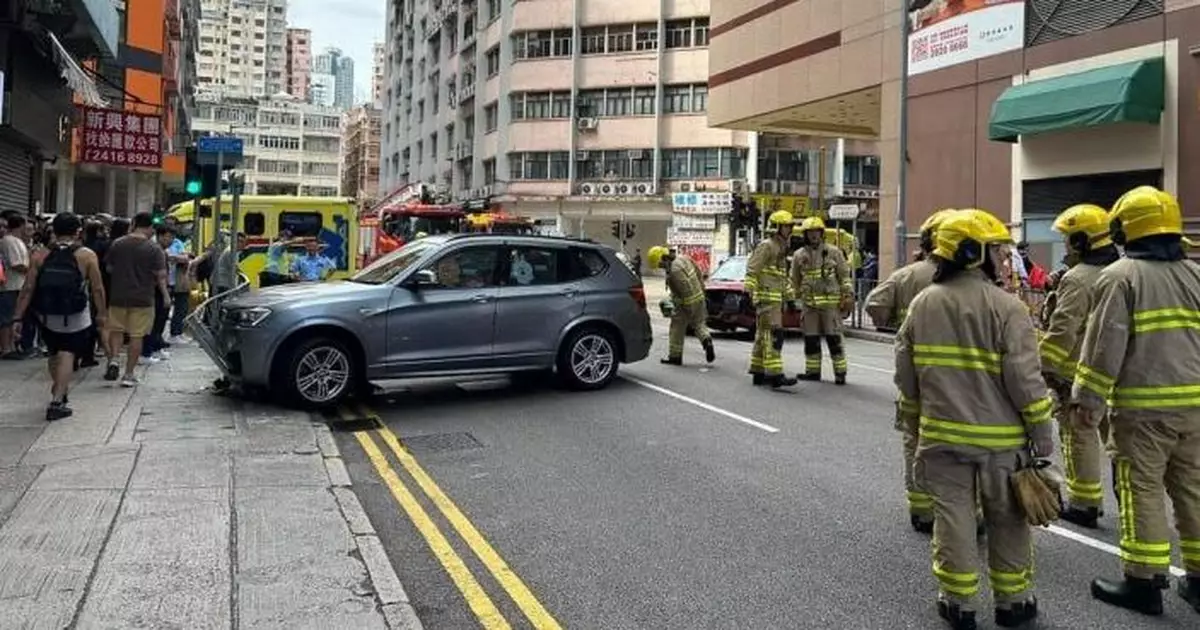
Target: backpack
(60, 286)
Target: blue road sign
(229, 145)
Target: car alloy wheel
(322, 374)
(593, 359)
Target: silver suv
(459, 305)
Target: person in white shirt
(14, 254)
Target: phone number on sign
(132, 158)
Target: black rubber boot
(1189, 589)
(759, 379)
(921, 524)
(778, 380)
(1017, 614)
(808, 376)
(710, 352)
(839, 379)
(671, 361)
(1136, 594)
(1116, 492)
(958, 618)
(1088, 517)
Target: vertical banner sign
(694, 219)
(949, 32)
(121, 138)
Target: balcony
(466, 92)
(170, 68)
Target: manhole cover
(441, 442)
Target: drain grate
(441, 442)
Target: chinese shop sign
(121, 138)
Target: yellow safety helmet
(1144, 211)
(812, 223)
(655, 255)
(963, 235)
(930, 226)
(780, 218)
(1085, 226)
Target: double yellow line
(477, 598)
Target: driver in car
(449, 274)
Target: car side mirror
(422, 278)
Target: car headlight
(249, 317)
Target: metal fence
(1034, 300)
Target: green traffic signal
(193, 187)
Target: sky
(352, 25)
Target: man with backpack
(56, 291)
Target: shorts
(8, 306)
(135, 322)
(80, 343)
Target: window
(532, 266)
(585, 263)
(300, 224)
(793, 166)
(704, 163)
(562, 43)
(620, 38)
(677, 99)
(646, 36)
(542, 44)
(560, 105)
(699, 98)
(733, 163)
(490, 118)
(592, 41)
(493, 9)
(618, 102)
(588, 102)
(538, 165)
(489, 172)
(254, 224)
(675, 163)
(467, 268)
(537, 105)
(687, 33)
(492, 61)
(643, 101)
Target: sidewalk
(169, 507)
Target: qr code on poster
(920, 49)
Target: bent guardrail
(204, 323)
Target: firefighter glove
(847, 304)
(1037, 490)
(1042, 444)
(667, 307)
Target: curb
(870, 335)
(398, 611)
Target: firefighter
(770, 292)
(1139, 360)
(687, 296)
(823, 285)
(887, 305)
(1089, 250)
(967, 369)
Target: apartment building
(360, 154)
(243, 47)
(299, 62)
(580, 113)
(333, 79)
(291, 147)
(378, 62)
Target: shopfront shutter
(1046, 198)
(14, 178)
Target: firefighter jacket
(967, 367)
(684, 281)
(767, 272)
(1139, 351)
(887, 304)
(821, 276)
(1074, 298)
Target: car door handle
(569, 292)
(482, 298)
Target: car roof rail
(572, 239)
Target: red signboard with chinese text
(121, 138)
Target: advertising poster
(694, 223)
(943, 33)
(121, 138)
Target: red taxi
(729, 306)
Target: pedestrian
(821, 280)
(95, 238)
(14, 253)
(687, 296)
(312, 266)
(1089, 243)
(1138, 361)
(57, 291)
(225, 272)
(968, 374)
(770, 293)
(139, 275)
(154, 347)
(276, 271)
(178, 282)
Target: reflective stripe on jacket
(1142, 344)
(1074, 299)
(683, 281)
(888, 303)
(767, 272)
(820, 276)
(967, 366)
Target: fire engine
(402, 217)
(498, 223)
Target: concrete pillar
(64, 187)
(131, 207)
(146, 190)
(110, 191)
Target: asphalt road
(682, 498)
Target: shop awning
(1129, 92)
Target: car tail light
(639, 295)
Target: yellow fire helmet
(780, 218)
(1144, 211)
(962, 236)
(655, 255)
(931, 224)
(812, 223)
(1085, 226)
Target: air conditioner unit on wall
(687, 187)
(789, 188)
(636, 154)
(623, 189)
(737, 185)
(581, 156)
(644, 188)
(588, 124)
(587, 189)
(606, 189)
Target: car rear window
(585, 263)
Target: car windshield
(392, 265)
(732, 270)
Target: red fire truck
(403, 216)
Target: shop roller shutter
(14, 178)
(1049, 197)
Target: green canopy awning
(1129, 92)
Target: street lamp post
(902, 188)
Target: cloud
(351, 25)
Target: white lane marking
(701, 404)
(1097, 544)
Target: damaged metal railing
(204, 323)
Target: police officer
(822, 283)
(1089, 250)
(771, 292)
(687, 295)
(887, 305)
(1139, 359)
(967, 368)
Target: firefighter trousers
(694, 316)
(919, 502)
(812, 353)
(1158, 455)
(766, 357)
(954, 480)
(1083, 437)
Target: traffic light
(193, 174)
(616, 230)
(630, 231)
